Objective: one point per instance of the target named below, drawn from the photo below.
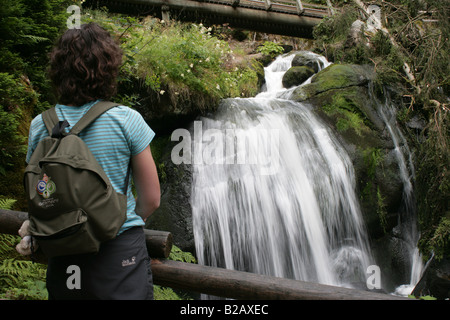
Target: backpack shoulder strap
(93, 113)
(50, 119)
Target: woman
(83, 69)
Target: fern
(33, 39)
(22, 279)
(164, 293)
(177, 255)
(7, 204)
(7, 245)
(14, 272)
(33, 290)
(19, 278)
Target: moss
(344, 107)
(372, 193)
(381, 210)
(158, 147)
(341, 76)
(335, 76)
(296, 76)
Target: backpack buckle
(58, 129)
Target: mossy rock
(305, 58)
(335, 76)
(296, 76)
(351, 113)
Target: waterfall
(273, 191)
(407, 226)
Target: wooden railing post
(300, 8)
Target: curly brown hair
(84, 65)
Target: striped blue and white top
(113, 138)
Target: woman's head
(84, 65)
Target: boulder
(435, 280)
(296, 76)
(335, 76)
(307, 59)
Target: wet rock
(435, 280)
(305, 58)
(174, 213)
(335, 76)
(296, 76)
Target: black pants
(119, 271)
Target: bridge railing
(285, 6)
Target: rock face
(341, 97)
(175, 213)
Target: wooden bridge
(284, 17)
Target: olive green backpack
(72, 205)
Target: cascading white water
(273, 191)
(407, 222)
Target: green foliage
(331, 33)
(28, 29)
(22, 280)
(164, 293)
(19, 279)
(347, 112)
(177, 255)
(14, 100)
(183, 62)
(7, 204)
(271, 49)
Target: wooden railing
(218, 281)
(285, 6)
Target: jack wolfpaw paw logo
(46, 187)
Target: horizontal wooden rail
(159, 243)
(218, 281)
(250, 286)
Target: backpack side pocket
(65, 234)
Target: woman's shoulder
(123, 111)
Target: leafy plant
(178, 255)
(7, 204)
(270, 49)
(181, 62)
(22, 280)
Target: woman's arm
(146, 182)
